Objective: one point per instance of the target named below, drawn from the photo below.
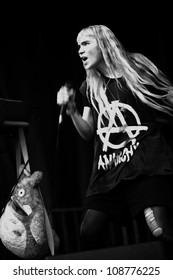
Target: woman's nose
(80, 51)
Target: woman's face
(90, 52)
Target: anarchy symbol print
(118, 124)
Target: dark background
(38, 53)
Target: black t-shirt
(130, 145)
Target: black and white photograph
(86, 138)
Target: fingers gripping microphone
(68, 85)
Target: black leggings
(95, 224)
(93, 229)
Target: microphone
(60, 114)
(68, 85)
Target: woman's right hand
(66, 96)
(84, 124)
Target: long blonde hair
(136, 69)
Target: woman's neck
(109, 75)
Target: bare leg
(159, 222)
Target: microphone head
(69, 84)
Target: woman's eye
(86, 43)
(21, 192)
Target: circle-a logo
(116, 109)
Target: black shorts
(132, 196)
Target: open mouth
(23, 210)
(84, 58)
(16, 207)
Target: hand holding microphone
(65, 97)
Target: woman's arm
(84, 123)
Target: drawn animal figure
(22, 224)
